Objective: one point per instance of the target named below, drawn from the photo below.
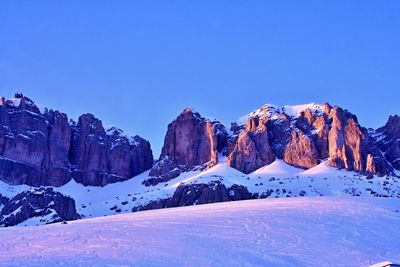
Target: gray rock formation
(99, 157)
(191, 142)
(251, 151)
(304, 140)
(33, 146)
(388, 140)
(3, 200)
(351, 147)
(197, 194)
(42, 148)
(44, 204)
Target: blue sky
(138, 64)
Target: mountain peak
(188, 110)
(393, 120)
(293, 111)
(297, 110)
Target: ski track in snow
(309, 231)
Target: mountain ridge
(202, 161)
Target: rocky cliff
(192, 142)
(304, 136)
(42, 148)
(100, 157)
(33, 145)
(388, 140)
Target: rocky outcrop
(346, 141)
(56, 164)
(351, 147)
(301, 151)
(251, 151)
(191, 142)
(304, 138)
(3, 200)
(198, 194)
(34, 146)
(316, 125)
(388, 140)
(163, 171)
(270, 133)
(99, 157)
(42, 148)
(46, 205)
(141, 155)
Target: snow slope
(310, 231)
(277, 168)
(275, 180)
(296, 110)
(273, 111)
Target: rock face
(33, 146)
(198, 194)
(56, 164)
(46, 205)
(3, 200)
(99, 157)
(351, 146)
(279, 135)
(303, 136)
(388, 139)
(42, 148)
(251, 151)
(301, 151)
(191, 142)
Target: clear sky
(138, 64)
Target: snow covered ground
(275, 180)
(309, 231)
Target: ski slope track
(308, 231)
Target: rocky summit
(191, 142)
(270, 152)
(304, 136)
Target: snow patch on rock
(273, 112)
(296, 110)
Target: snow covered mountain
(293, 151)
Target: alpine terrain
(54, 169)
